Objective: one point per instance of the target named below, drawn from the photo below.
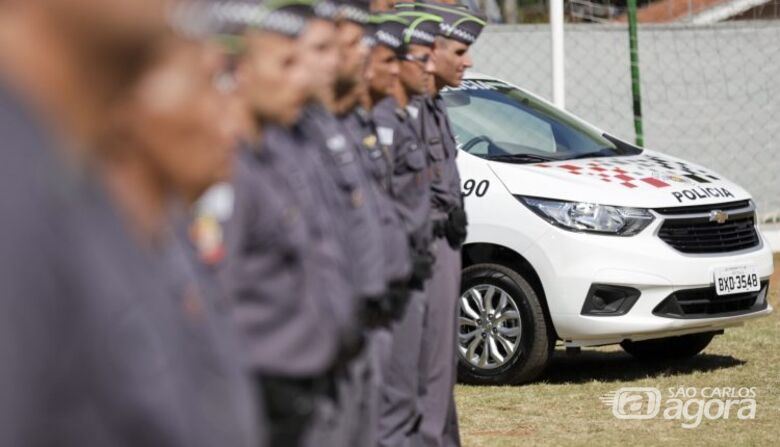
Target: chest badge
(370, 141)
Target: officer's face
(110, 22)
(273, 78)
(180, 118)
(382, 71)
(353, 53)
(320, 54)
(416, 74)
(382, 5)
(451, 59)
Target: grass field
(563, 408)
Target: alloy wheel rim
(489, 327)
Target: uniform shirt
(440, 140)
(299, 168)
(287, 329)
(358, 223)
(211, 335)
(93, 349)
(410, 177)
(376, 162)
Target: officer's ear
(121, 129)
(441, 43)
(368, 73)
(241, 64)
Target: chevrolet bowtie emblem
(718, 216)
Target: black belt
(440, 228)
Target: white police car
(575, 235)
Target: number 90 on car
(732, 280)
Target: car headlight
(590, 217)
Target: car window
(495, 120)
(502, 123)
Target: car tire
(671, 348)
(536, 341)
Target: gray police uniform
(290, 331)
(94, 349)
(379, 164)
(317, 187)
(359, 225)
(410, 177)
(372, 154)
(299, 167)
(360, 388)
(439, 425)
(400, 411)
(211, 335)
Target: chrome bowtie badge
(718, 216)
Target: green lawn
(563, 408)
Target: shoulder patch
(336, 143)
(385, 135)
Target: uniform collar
(363, 115)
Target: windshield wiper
(521, 158)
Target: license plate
(733, 280)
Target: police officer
(153, 118)
(385, 37)
(99, 352)
(458, 30)
(381, 77)
(280, 268)
(398, 127)
(344, 140)
(344, 192)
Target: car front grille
(705, 303)
(693, 230)
(703, 209)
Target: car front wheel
(503, 337)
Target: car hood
(647, 180)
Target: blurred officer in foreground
(177, 113)
(100, 343)
(282, 267)
(458, 30)
(398, 128)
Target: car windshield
(494, 120)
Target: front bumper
(569, 263)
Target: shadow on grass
(618, 366)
